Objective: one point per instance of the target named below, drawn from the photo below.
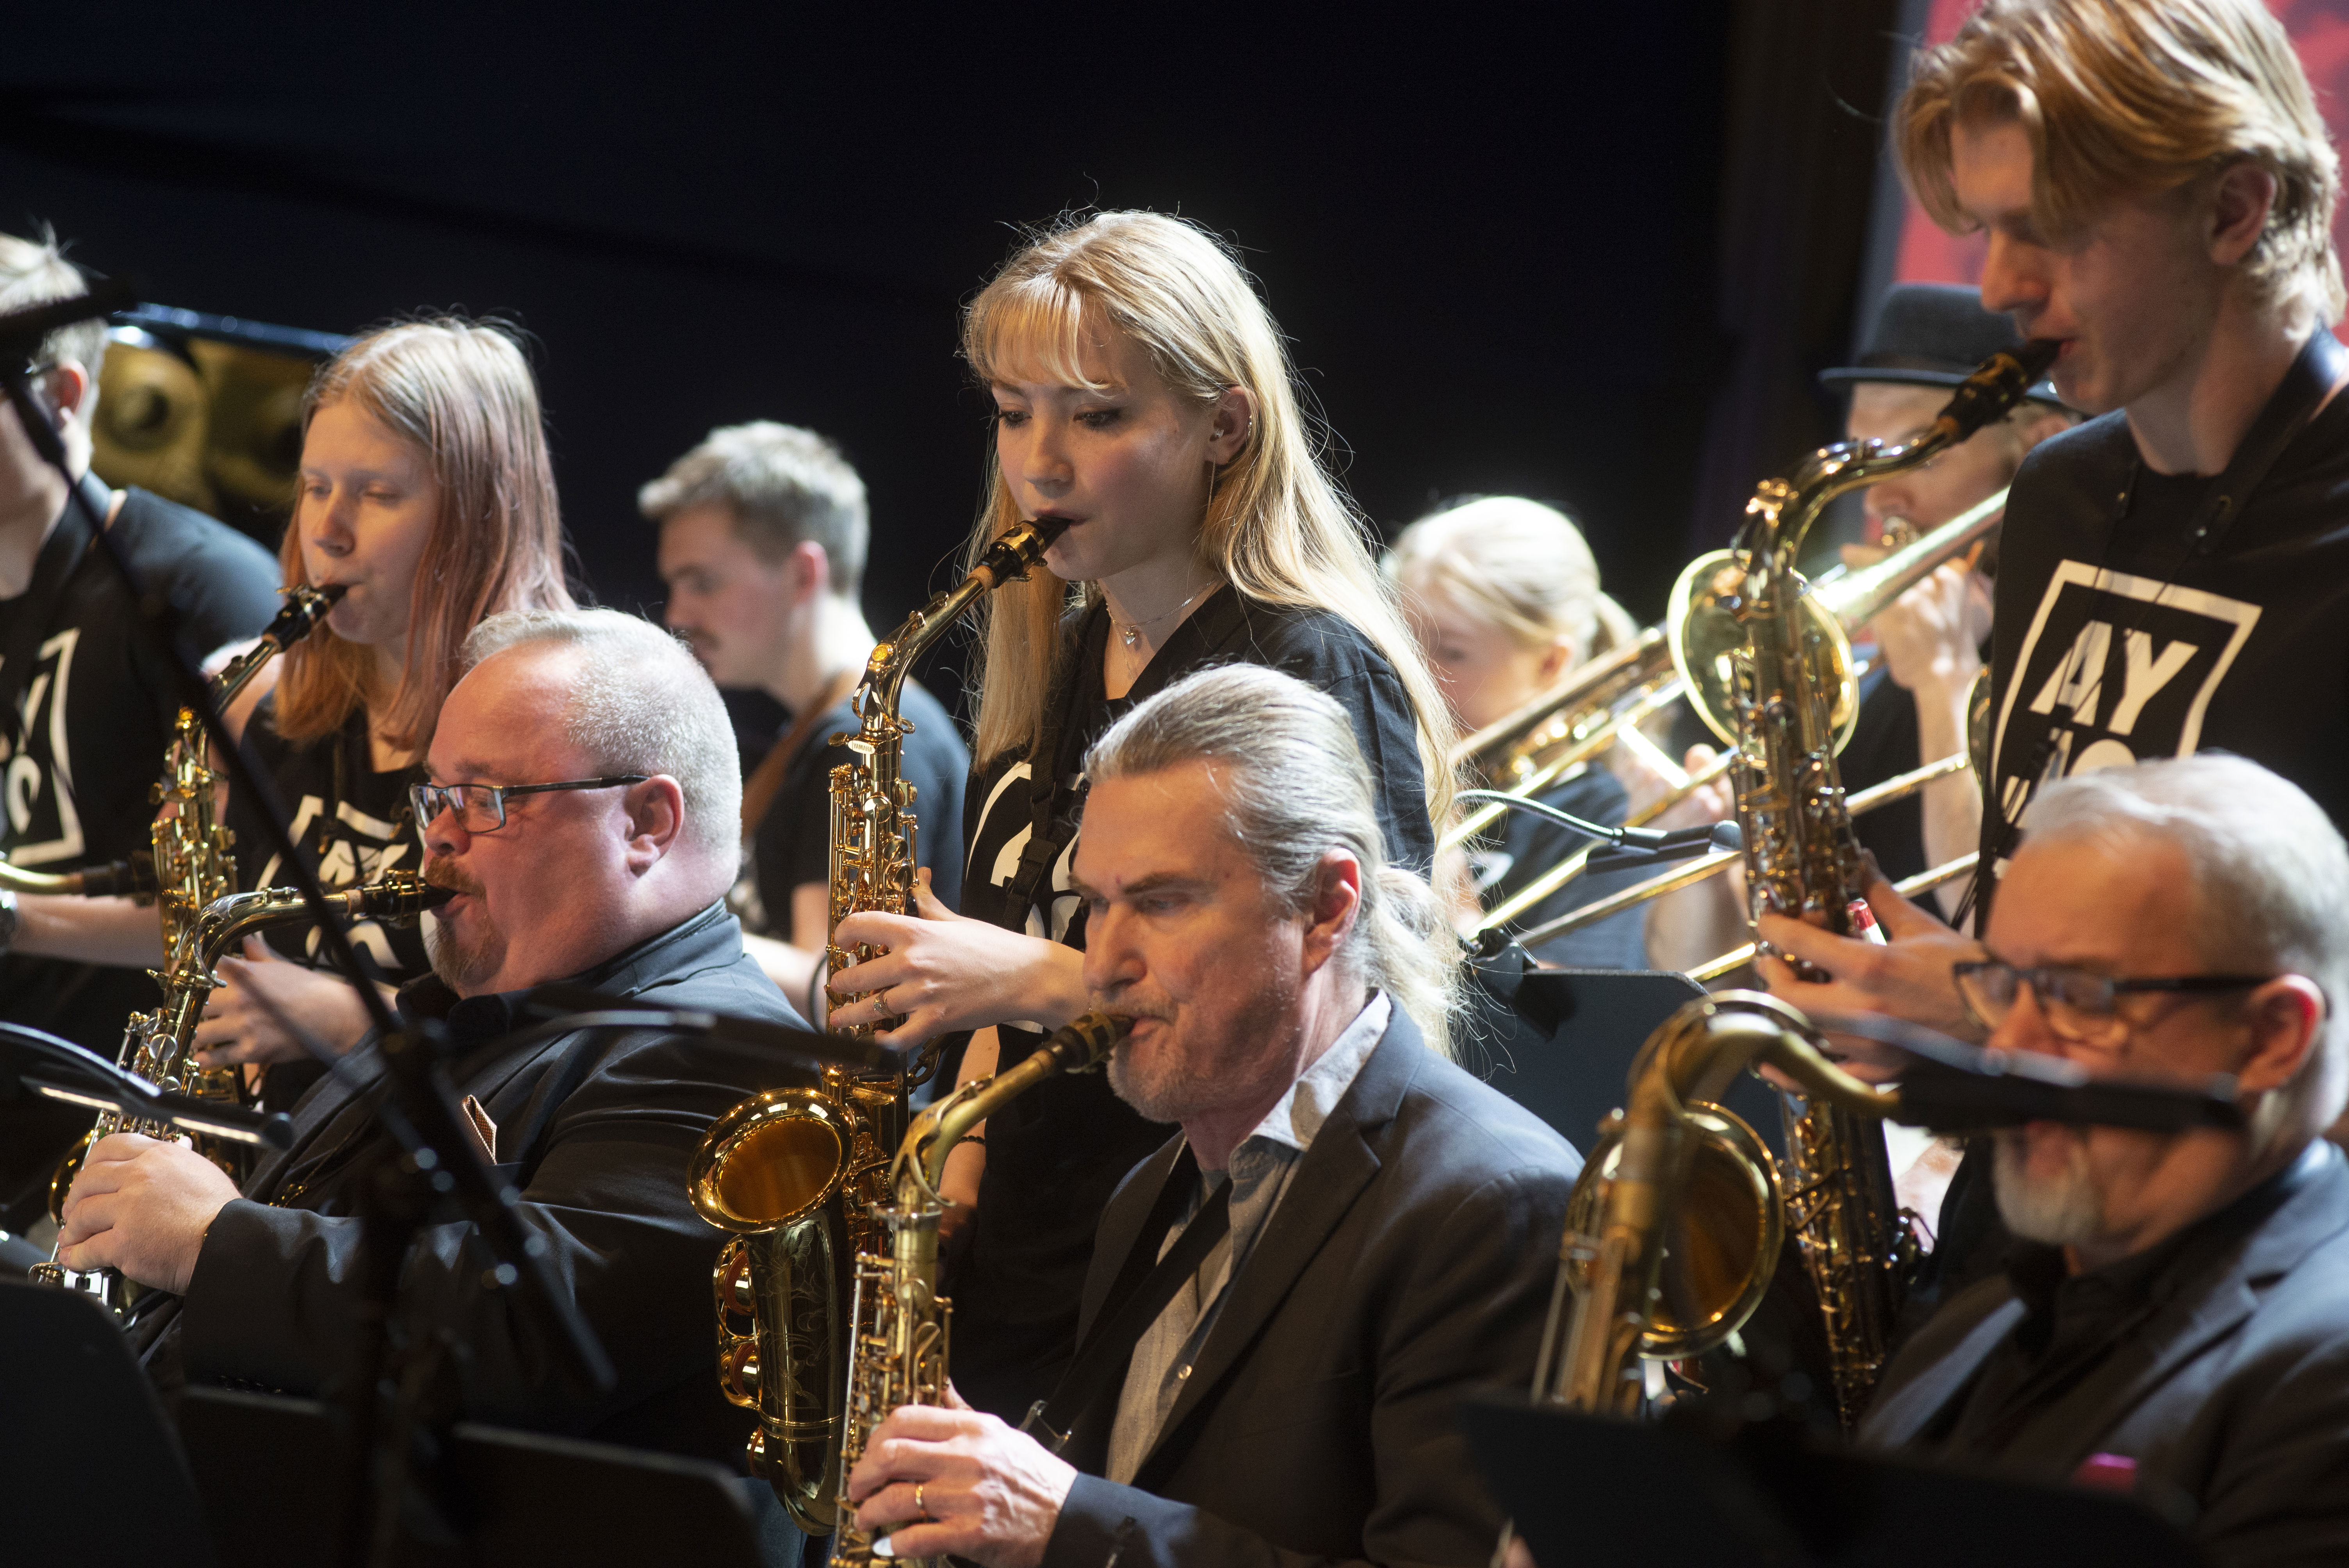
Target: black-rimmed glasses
(2079, 1005)
(481, 808)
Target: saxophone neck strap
(766, 781)
(1134, 1304)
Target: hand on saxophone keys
(1906, 977)
(942, 973)
(142, 1205)
(947, 1479)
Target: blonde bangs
(1276, 525)
(1040, 323)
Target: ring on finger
(919, 1506)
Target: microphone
(1627, 846)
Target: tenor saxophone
(796, 1174)
(159, 1046)
(898, 1322)
(1787, 674)
(190, 869)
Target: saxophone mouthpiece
(398, 898)
(1993, 391)
(1048, 528)
(304, 608)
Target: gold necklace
(1130, 632)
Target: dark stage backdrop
(1499, 246)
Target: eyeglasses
(481, 808)
(2078, 1003)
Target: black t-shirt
(2135, 622)
(351, 824)
(1056, 1154)
(97, 705)
(793, 844)
(1504, 863)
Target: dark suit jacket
(596, 1129)
(1410, 1261)
(2234, 1392)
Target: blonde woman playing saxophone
(1142, 392)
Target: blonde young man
(2157, 191)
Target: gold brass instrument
(1675, 1225)
(900, 1322)
(159, 1046)
(796, 1174)
(1897, 787)
(1687, 656)
(193, 866)
(1784, 674)
(202, 871)
(191, 869)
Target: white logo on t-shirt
(2115, 668)
(35, 803)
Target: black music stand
(1594, 1488)
(1567, 1038)
(89, 1466)
(272, 1469)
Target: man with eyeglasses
(584, 804)
(2175, 1318)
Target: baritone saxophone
(797, 1175)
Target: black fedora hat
(1931, 335)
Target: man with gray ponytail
(1391, 1222)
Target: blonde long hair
(1276, 525)
(1515, 564)
(462, 393)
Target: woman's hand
(245, 1019)
(943, 972)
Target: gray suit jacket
(1409, 1262)
(2234, 1393)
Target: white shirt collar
(1298, 1114)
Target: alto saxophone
(1788, 674)
(159, 1046)
(898, 1322)
(796, 1174)
(192, 869)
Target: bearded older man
(1394, 1222)
(585, 807)
(2178, 1317)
